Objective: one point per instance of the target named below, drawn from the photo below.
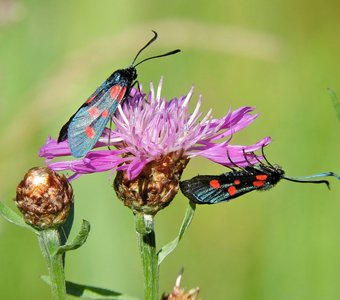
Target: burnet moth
(211, 189)
(85, 127)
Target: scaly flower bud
(155, 187)
(44, 198)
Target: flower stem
(49, 243)
(147, 246)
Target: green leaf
(13, 217)
(91, 292)
(335, 101)
(168, 248)
(65, 229)
(78, 241)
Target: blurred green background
(280, 56)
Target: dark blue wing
(88, 123)
(63, 134)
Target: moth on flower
(152, 142)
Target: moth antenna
(307, 181)
(157, 56)
(301, 179)
(152, 57)
(147, 44)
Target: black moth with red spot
(211, 189)
(86, 126)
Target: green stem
(147, 246)
(49, 243)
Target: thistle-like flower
(153, 141)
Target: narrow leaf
(91, 292)
(13, 217)
(168, 248)
(79, 240)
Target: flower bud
(44, 198)
(155, 187)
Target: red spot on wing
(90, 133)
(258, 183)
(105, 113)
(93, 112)
(215, 184)
(261, 177)
(237, 181)
(90, 99)
(232, 190)
(114, 91)
(121, 94)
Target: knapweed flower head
(44, 198)
(155, 138)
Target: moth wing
(88, 123)
(211, 189)
(96, 96)
(200, 189)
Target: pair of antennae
(302, 179)
(294, 179)
(152, 57)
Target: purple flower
(148, 130)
